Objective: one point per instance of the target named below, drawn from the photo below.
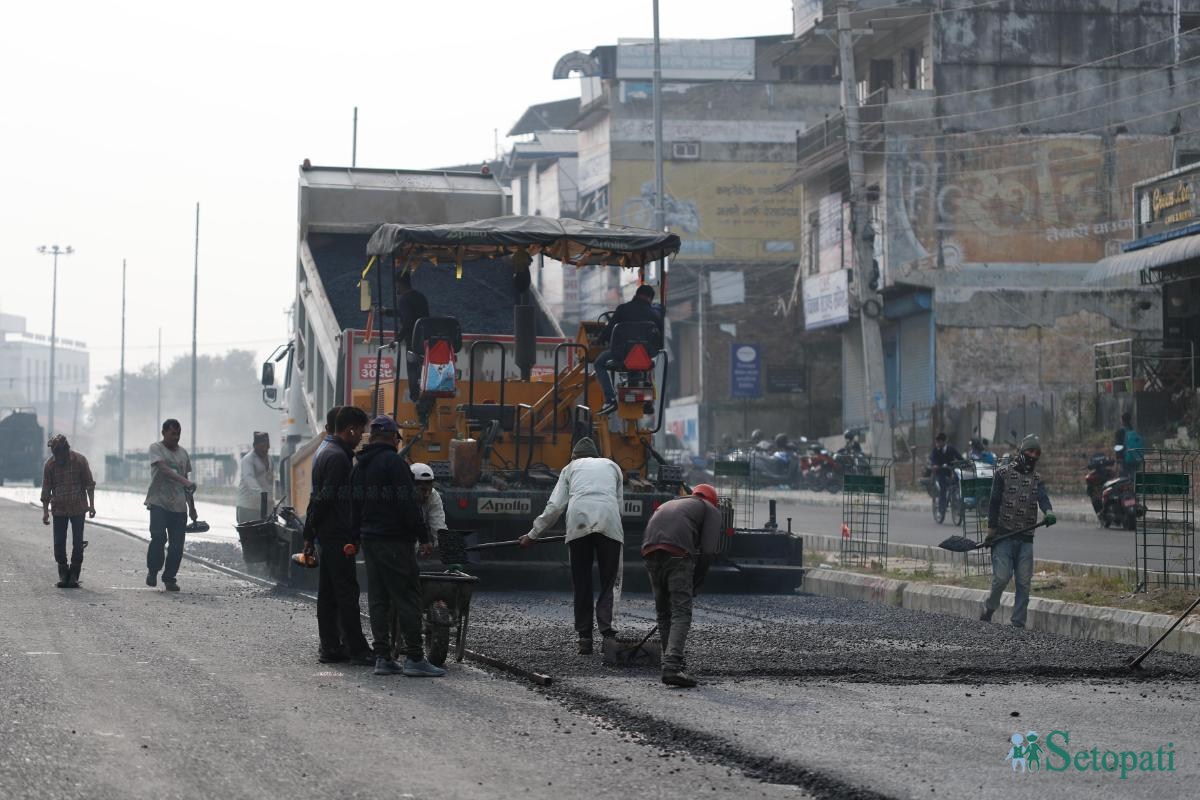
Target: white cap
(422, 472)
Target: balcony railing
(816, 142)
(1144, 365)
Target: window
(1189, 23)
(1185, 157)
(685, 150)
(787, 72)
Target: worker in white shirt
(589, 490)
(428, 499)
(257, 476)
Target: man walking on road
(1017, 492)
(590, 490)
(68, 491)
(940, 459)
(1132, 450)
(680, 539)
(171, 503)
(328, 522)
(389, 523)
(256, 477)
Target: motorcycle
(1113, 497)
(819, 470)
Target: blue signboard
(745, 371)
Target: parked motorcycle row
(793, 464)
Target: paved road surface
(214, 692)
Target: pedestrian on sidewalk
(940, 458)
(680, 540)
(590, 491)
(1129, 447)
(1017, 493)
(328, 524)
(389, 522)
(68, 492)
(256, 477)
(170, 502)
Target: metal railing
(1144, 365)
(813, 142)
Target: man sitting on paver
(1017, 492)
(680, 538)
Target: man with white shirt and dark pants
(256, 478)
(590, 490)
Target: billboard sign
(826, 299)
(745, 371)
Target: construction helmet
(422, 472)
(706, 491)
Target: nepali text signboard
(745, 371)
(826, 299)
(1167, 204)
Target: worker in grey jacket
(681, 538)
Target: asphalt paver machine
(496, 439)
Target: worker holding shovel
(1017, 493)
(680, 538)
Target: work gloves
(991, 535)
(1049, 518)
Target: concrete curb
(1050, 616)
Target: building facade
(25, 373)
(1000, 142)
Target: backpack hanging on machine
(438, 371)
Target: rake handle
(1137, 661)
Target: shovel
(513, 543)
(963, 544)
(627, 653)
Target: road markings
(41, 653)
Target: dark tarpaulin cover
(567, 240)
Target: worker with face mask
(1017, 493)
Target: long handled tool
(1137, 662)
(513, 543)
(963, 544)
(645, 653)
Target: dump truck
(523, 392)
(22, 446)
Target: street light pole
(659, 216)
(121, 416)
(55, 251)
(195, 315)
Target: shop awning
(1146, 265)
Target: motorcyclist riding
(940, 459)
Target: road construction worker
(256, 477)
(412, 305)
(1017, 493)
(68, 492)
(170, 501)
(328, 523)
(389, 523)
(590, 491)
(680, 540)
(428, 499)
(639, 309)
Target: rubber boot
(73, 575)
(63, 573)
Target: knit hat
(261, 436)
(585, 448)
(57, 442)
(1031, 442)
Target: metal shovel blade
(959, 544)
(619, 652)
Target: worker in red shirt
(681, 538)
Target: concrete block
(853, 586)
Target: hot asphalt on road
(215, 691)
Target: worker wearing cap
(429, 499)
(1017, 492)
(68, 492)
(681, 537)
(389, 524)
(590, 491)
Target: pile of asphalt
(807, 637)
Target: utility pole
(879, 440)
(659, 216)
(195, 309)
(354, 141)
(55, 251)
(121, 412)
(158, 376)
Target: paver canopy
(570, 241)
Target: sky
(117, 118)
